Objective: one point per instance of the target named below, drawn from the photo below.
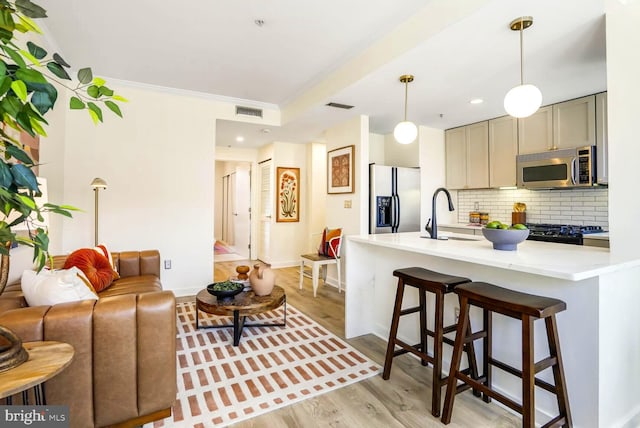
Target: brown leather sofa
(124, 369)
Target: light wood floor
(402, 401)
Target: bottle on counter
(484, 218)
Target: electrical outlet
(167, 264)
(456, 313)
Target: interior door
(241, 212)
(266, 210)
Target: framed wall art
(288, 194)
(340, 170)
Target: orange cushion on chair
(94, 265)
(329, 245)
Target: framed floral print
(288, 191)
(340, 170)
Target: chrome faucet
(433, 230)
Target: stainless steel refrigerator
(394, 199)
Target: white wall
(432, 172)
(158, 162)
(289, 239)
(316, 177)
(376, 149)
(396, 154)
(353, 220)
(619, 347)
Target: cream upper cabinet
(467, 156)
(574, 123)
(456, 157)
(535, 133)
(503, 148)
(602, 142)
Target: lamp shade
(98, 183)
(405, 132)
(523, 100)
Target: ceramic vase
(262, 279)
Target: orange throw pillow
(95, 266)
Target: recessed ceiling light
(239, 139)
(476, 101)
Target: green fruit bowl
(505, 239)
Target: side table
(46, 360)
(241, 305)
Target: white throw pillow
(20, 259)
(58, 286)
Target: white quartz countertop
(570, 262)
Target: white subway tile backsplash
(571, 206)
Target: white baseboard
(183, 292)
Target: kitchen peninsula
(600, 347)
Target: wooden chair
(316, 261)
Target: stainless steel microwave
(557, 168)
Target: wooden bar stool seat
(439, 284)
(527, 308)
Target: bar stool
(527, 308)
(439, 284)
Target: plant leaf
(29, 9)
(85, 75)
(20, 89)
(24, 177)
(25, 123)
(105, 91)
(120, 98)
(94, 116)
(38, 127)
(29, 24)
(30, 57)
(36, 50)
(41, 102)
(57, 69)
(15, 56)
(93, 91)
(5, 175)
(5, 84)
(30, 75)
(3, 68)
(76, 103)
(57, 58)
(11, 105)
(6, 20)
(95, 109)
(113, 107)
(98, 81)
(19, 154)
(26, 200)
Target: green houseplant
(28, 79)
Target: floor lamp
(97, 184)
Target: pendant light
(405, 132)
(522, 100)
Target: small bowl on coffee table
(225, 289)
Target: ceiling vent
(248, 111)
(338, 105)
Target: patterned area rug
(219, 384)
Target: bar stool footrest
(514, 371)
(490, 392)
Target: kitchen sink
(453, 238)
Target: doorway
(233, 211)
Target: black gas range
(562, 233)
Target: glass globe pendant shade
(405, 132)
(523, 100)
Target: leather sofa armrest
(124, 364)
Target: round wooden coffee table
(239, 307)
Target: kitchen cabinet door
(535, 133)
(456, 157)
(574, 123)
(478, 155)
(503, 148)
(602, 142)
